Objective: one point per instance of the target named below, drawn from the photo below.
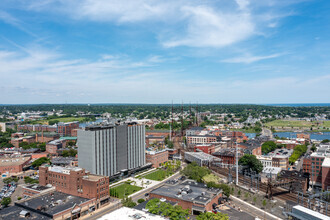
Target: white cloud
(210, 28)
(250, 59)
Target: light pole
(236, 164)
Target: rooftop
(65, 170)
(130, 214)
(188, 190)
(53, 202)
(326, 162)
(12, 161)
(14, 212)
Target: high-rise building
(112, 150)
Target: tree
(239, 193)
(225, 188)
(264, 203)
(251, 162)
(268, 146)
(298, 151)
(7, 180)
(128, 202)
(140, 200)
(37, 163)
(212, 216)
(195, 172)
(254, 200)
(246, 195)
(156, 207)
(325, 141)
(6, 201)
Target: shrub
(140, 201)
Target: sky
(153, 51)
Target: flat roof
(59, 169)
(37, 187)
(13, 212)
(61, 202)
(130, 214)
(188, 190)
(310, 212)
(11, 161)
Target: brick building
(228, 155)
(158, 133)
(326, 173)
(13, 164)
(206, 148)
(75, 181)
(53, 146)
(189, 195)
(157, 158)
(67, 129)
(201, 139)
(37, 128)
(313, 164)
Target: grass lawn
(286, 123)
(326, 124)
(211, 178)
(126, 189)
(158, 175)
(67, 119)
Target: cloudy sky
(155, 51)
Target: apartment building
(112, 150)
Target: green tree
(268, 146)
(6, 201)
(128, 202)
(254, 200)
(140, 200)
(251, 162)
(156, 207)
(37, 163)
(195, 172)
(212, 216)
(264, 203)
(239, 193)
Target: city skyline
(155, 52)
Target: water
(250, 135)
(315, 136)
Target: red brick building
(67, 129)
(326, 173)
(13, 164)
(208, 149)
(53, 146)
(157, 158)
(228, 155)
(313, 165)
(201, 139)
(75, 181)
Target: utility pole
(236, 165)
(171, 121)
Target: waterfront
(314, 135)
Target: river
(315, 136)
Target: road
(267, 132)
(301, 160)
(103, 211)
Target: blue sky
(139, 51)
